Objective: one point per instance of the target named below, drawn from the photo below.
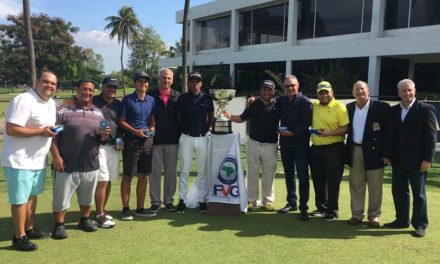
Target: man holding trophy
(195, 113)
(261, 145)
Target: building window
(263, 25)
(411, 13)
(214, 33)
(321, 18)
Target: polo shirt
(110, 112)
(263, 121)
(331, 116)
(79, 143)
(194, 111)
(296, 115)
(137, 112)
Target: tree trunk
(30, 43)
(185, 47)
(122, 68)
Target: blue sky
(89, 16)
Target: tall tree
(30, 43)
(145, 52)
(126, 27)
(185, 47)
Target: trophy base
(221, 127)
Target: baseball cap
(140, 75)
(195, 75)
(268, 83)
(323, 86)
(110, 80)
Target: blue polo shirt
(137, 112)
(296, 115)
(194, 111)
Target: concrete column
(411, 69)
(193, 39)
(235, 27)
(292, 23)
(374, 75)
(377, 18)
(288, 67)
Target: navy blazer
(415, 138)
(377, 138)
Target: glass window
(425, 12)
(368, 7)
(306, 18)
(396, 14)
(264, 25)
(249, 76)
(214, 33)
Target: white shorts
(108, 163)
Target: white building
(380, 41)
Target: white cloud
(10, 7)
(100, 42)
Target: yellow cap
(323, 86)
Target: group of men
(403, 135)
(86, 133)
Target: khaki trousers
(264, 155)
(359, 179)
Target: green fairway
(258, 237)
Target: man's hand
(424, 167)
(386, 161)
(323, 132)
(285, 133)
(46, 132)
(139, 133)
(250, 101)
(104, 136)
(58, 164)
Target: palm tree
(184, 46)
(126, 26)
(30, 43)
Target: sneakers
(126, 215)
(330, 217)
(251, 206)
(170, 207)
(287, 208)
(269, 207)
(419, 232)
(304, 216)
(109, 217)
(317, 213)
(142, 212)
(37, 234)
(154, 208)
(59, 232)
(181, 207)
(103, 222)
(23, 244)
(87, 225)
(374, 222)
(203, 207)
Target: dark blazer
(377, 139)
(167, 127)
(415, 138)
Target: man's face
(407, 93)
(361, 91)
(291, 87)
(166, 80)
(267, 94)
(141, 85)
(85, 92)
(46, 86)
(109, 91)
(325, 96)
(194, 85)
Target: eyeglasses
(289, 85)
(323, 92)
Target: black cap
(140, 75)
(268, 83)
(195, 75)
(110, 80)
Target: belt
(357, 144)
(195, 134)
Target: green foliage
(145, 51)
(54, 50)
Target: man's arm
(153, 122)
(324, 132)
(137, 132)
(19, 131)
(58, 162)
(210, 119)
(430, 137)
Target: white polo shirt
(28, 110)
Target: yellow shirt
(331, 116)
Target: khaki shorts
(108, 163)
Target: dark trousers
(400, 189)
(292, 157)
(327, 167)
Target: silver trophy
(222, 97)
